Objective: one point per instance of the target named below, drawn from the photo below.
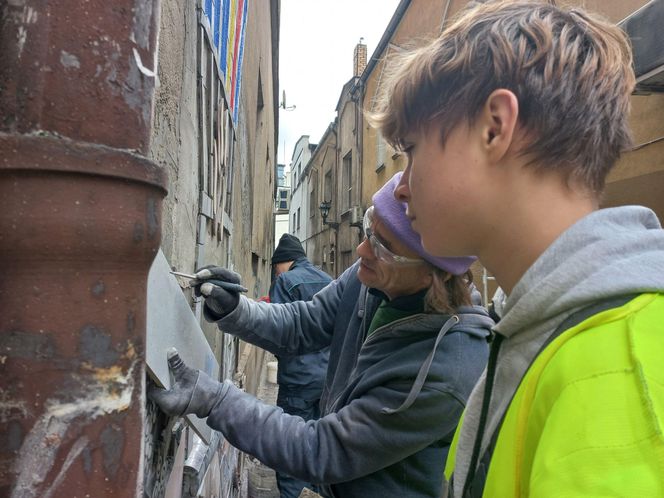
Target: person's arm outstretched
(292, 328)
(356, 441)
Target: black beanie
(288, 249)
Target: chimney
(359, 58)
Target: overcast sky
(316, 46)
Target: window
(281, 177)
(327, 186)
(313, 193)
(259, 99)
(230, 146)
(312, 203)
(347, 185)
(380, 152)
(282, 201)
(255, 259)
(298, 218)
(294, 219)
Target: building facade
(330, 181)
(215, 130)
(364, 162)
(637, 179)
(321, 170)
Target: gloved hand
(192, 391)
(219, 302)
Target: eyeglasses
(379, 249)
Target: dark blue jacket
(302, 375)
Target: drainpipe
(80, 223)
(358, 97)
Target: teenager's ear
(501, 112)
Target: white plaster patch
(21, 37)
(106, 391)
(29, 15)
(69, 60)
(147, 72)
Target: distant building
(321, 241)
(363, 161)
(281, 203)
(299, 207)
(331, 173)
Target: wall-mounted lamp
(324, 211)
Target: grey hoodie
(390, 404)
(609, 253)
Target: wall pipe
(80, 223)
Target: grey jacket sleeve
(291, 328)
(356, 441)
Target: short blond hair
(570, 71)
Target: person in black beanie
(289, 248)
(300, 378)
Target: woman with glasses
(408, 340)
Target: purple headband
(393, 214)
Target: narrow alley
(139, 138)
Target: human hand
(221, 289)
(192, 391)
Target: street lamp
(324, 211)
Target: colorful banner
(228, 20)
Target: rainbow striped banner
(228, 20)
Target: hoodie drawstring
(424, 370)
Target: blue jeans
(308, 409)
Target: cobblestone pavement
(262, 482)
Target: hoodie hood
(609, 253)
(474, 319)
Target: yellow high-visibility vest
(588, 417)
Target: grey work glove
(219, 301)
(192, 391)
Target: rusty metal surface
(85, 70)
(44, 152)
(80, 222)
(75, 249)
